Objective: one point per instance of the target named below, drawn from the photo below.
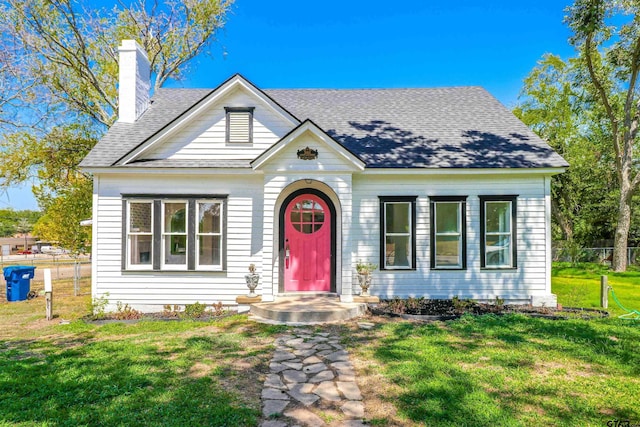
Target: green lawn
(151, 373)
(500, 371)
(508, 370)
(579, 286)
(475, 371)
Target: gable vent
(239, 125)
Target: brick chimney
(135, 81)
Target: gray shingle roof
(121, 138)
(463, 127)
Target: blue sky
(375, 43)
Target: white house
(444, 189)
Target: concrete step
(305, 309)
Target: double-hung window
(139, 234)
(448, 232)
(174, 234)
(498, 231)
(398, 236)
(182, 233)
(209, 234)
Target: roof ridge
(383, 88)
(338, 89)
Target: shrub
(171, 311)
(461, 306)
(124, 312)
(414, 305)
(98, 307)
(194, 311)
(218, 309)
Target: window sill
(498, 268)
(398, 269)
(448, 268)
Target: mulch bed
(160, 316)
(438, 309)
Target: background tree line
(12, 222)
(588, 108)
(58, 80)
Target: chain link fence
(598, 255)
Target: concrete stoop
(305, 310)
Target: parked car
(52, 250)
(24, 252)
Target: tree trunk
(562, 220)
(622, 229)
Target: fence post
(604, 292)
(48, 293)
(76, 278)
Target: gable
(204, 137)
(129, 143)
(307, 148)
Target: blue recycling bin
(18, 278)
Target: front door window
(307, 245)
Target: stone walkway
(311, 383)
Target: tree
(61, 221)
(24, 227)
(611, 58)
(555, 106)
(58, 75)
(9, 218)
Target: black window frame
(513, 198)
(157, 201)
(462, 200)
(383, 200)
(228, 111)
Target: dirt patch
(199, 370)
(545, 369)
(534, 409)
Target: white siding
(204, 137)
(254, 201)
(149, 291)
(328, 160)
(530, 278)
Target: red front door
(307, 245)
